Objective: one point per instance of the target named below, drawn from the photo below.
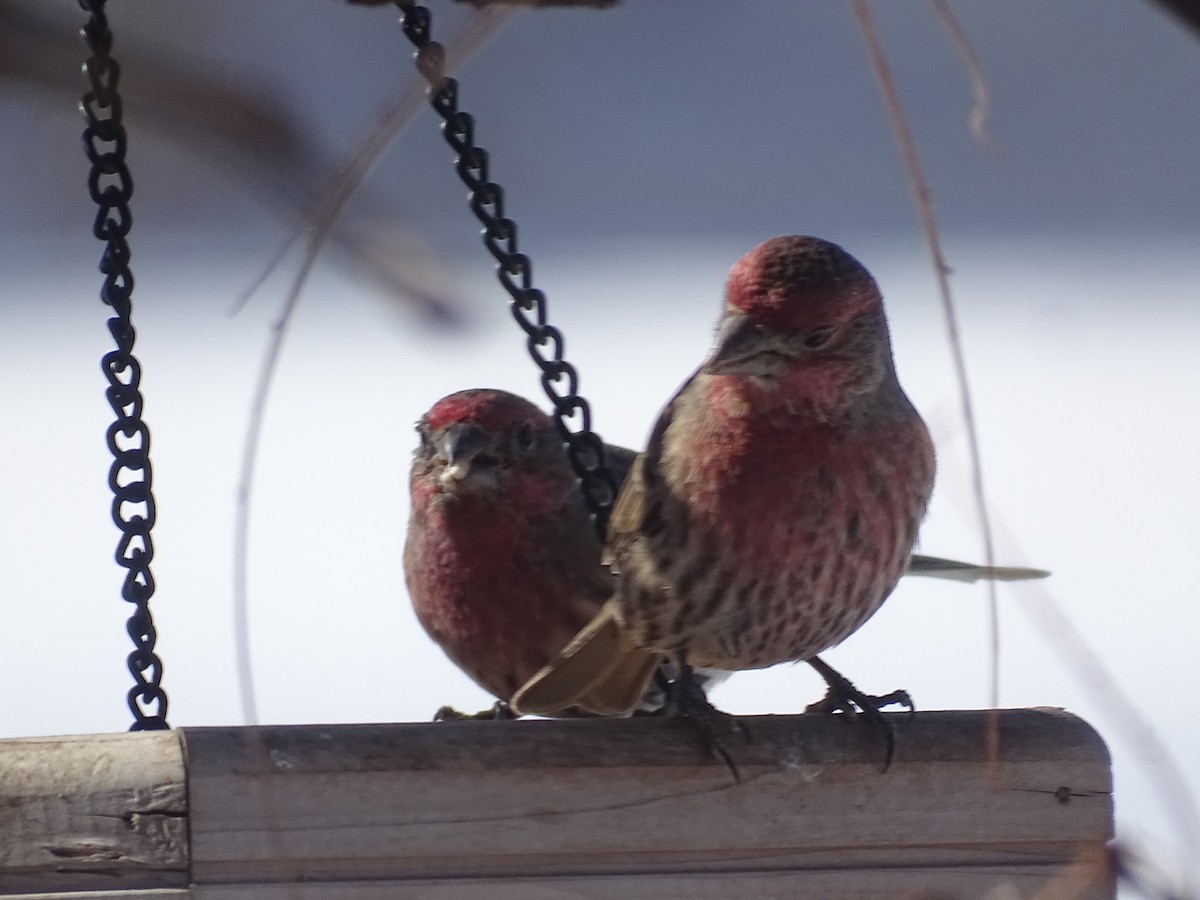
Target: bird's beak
(742, 348)
(463, 446)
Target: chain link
(544, 342)
(133, 508)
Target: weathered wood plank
(556, 809)
(1000, 883)
(90, 812)
(564, 803)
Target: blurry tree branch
(243, 131)
(1187, 11)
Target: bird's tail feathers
(952, 569)
(601, 671)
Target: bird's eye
(818, 338)
(525, 437)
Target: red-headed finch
(778, 499)
(501, 560)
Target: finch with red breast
(778, 499)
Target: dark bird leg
(843, 696)
(686, 699)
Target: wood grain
(557, 809)
(603, 799)
(94, 811)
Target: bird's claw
(834, 702)
(895, 698)
(844, 697)
(686, 700)
(497, 712)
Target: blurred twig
(1187, 11)
(981, 95)
(245, 132)
(924, 201)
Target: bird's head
(804, 320)
(481, 442)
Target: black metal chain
(515, 271)
(133, 508)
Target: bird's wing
(626, 517)
(603, 670)
(629, 511)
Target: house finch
(502, 563)
(778, 499)
(501, 560)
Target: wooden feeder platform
(548, 810)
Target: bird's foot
(835, 702)
(844, 697)
(497, 712)
(686, 699)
